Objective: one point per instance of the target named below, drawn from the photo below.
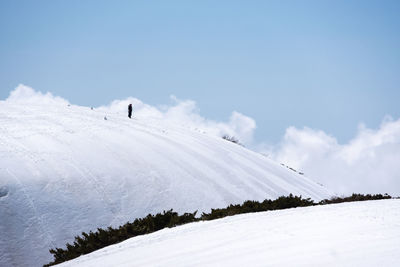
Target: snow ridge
(64, 170)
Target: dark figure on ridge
(130, 111)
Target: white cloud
(26, 95)
(186, 112)
(369, 163)
(182, 112)
(140, 109)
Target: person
(130, 111)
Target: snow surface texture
(348, 234)
(65, 169)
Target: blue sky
(327, 65)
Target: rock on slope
(64, 169)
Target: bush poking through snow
(354, 197)
(255, 206)
(89, 242)
(231, 139)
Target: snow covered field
(348, 234)
(65, 169)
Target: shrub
(231, 139)
(355, 197)
(89, 242)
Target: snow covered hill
(65, 169)
(348, 234)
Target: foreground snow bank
(348, 234)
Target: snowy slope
(64, 169)
(349, 234)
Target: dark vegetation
(354, 197)
(232, 139)
(89, 242)
(290, 168)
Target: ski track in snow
(348, 234)
(64, 170)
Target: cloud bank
(186, 112)
(368, 163)
(182, 112)
(23, 94)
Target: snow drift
(348, 234)
(65, 169)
